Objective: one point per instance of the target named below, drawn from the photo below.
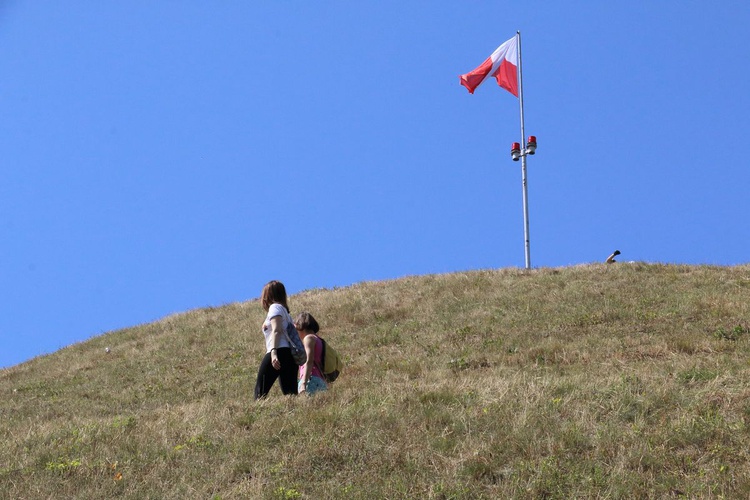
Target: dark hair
(274, 293)
(305, 321)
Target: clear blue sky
(163, 156)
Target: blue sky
(158, 157)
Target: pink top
(317, 353)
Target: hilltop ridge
(622, 380)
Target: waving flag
(502, 64)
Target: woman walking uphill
(278, 361)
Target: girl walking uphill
(278, 361)
(311, 378)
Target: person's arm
(309, 343)
(276, 333)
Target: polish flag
(502, 64)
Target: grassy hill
(619, 381)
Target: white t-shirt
(273, 311)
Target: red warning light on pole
(531, 145)
(515, 151)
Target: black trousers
(267, 374)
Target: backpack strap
(322, 356)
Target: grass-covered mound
(606, 381)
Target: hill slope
(592, 381)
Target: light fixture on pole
(531, 145)
(515, 151)
(518, 153)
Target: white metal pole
(523, 160)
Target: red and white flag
(502, 64)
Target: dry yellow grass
(620, 381)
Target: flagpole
(523, 160)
